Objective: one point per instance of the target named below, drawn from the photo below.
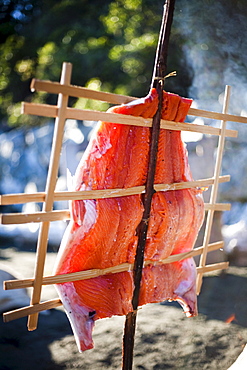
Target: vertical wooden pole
(49, 197)
(214, 190)
(157, 82)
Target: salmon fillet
(102, 232)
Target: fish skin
(102, 232)
(80, 317)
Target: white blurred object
(241, 362)
(235, 238)
(188, 136)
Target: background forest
(111, 45)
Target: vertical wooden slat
(214, 190)
(50, 188)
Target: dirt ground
(165, 338)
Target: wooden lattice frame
(61, 112)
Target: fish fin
(186, 291)
(170, 105)
(143, 107)
(183, 109)
(81, 318)
(77, 211)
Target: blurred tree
(215, 34)
(111, 45)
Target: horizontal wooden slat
(79, 92)
(83, 92)
(23, 218)
(7, 199)
(217, 206)
(89, 274)
(217, 116)
(92, 115)
(42, 110)
(212, 267)
(25, 311)
(18, 284)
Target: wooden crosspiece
(61, 112)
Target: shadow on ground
(165, 338)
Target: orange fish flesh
(102, 232)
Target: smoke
(216, 51)
(216, 44)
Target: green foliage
(110, 43)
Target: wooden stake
(157, 82)
(50, 188)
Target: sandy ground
(165, 338)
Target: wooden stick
(89, 274)
(23, 218)
(83, 92)
(217, 207)
(79, 92)
(50, 188)
(214, 190)
(217, 116)
(30, 310)
(106, 193)
(92, 115)
(212, 267)
(15, 284)
(157, 82)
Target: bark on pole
(157, 82)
